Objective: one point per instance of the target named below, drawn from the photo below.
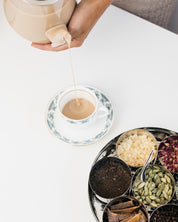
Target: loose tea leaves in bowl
(125, 208)
(166, 213)
(110, 177)
(168, 153)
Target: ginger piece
(112, 217)
(127, 210)
(122, 205)
(135, 218)
(120, 216)
(142, 217)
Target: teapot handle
(58, 35)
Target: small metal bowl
(166, 207)
(163, 169)
(163, 142)
(104, 178)
(123, 199)
(137, 132)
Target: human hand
(86, 14)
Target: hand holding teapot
(44, 21)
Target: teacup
(76, 95)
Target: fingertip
(35, 45)
(39, 46)
(49, 47)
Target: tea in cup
(79, 106)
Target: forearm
(89, 11)
(97, 6)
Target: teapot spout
(58, 35)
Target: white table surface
(133, 61)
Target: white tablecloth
(133, 61)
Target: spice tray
(97, 206)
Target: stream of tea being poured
(68, 40)
(77, 108)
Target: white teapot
(40, 21)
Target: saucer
(79, 135)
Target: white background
(133, 61)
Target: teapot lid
(41, 2)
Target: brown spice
(110, 177)
(167, 213)
(133, 210)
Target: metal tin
(174, 173)
(102, 198)
(166, 206)
(123, 198)
(149, 208)
(139, 132)
(97, 206)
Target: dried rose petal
(168, 153)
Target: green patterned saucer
(79, 135)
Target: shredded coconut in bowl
(135, 146)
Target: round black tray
(97, 206)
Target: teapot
(40, 21)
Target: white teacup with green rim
(80, 106)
